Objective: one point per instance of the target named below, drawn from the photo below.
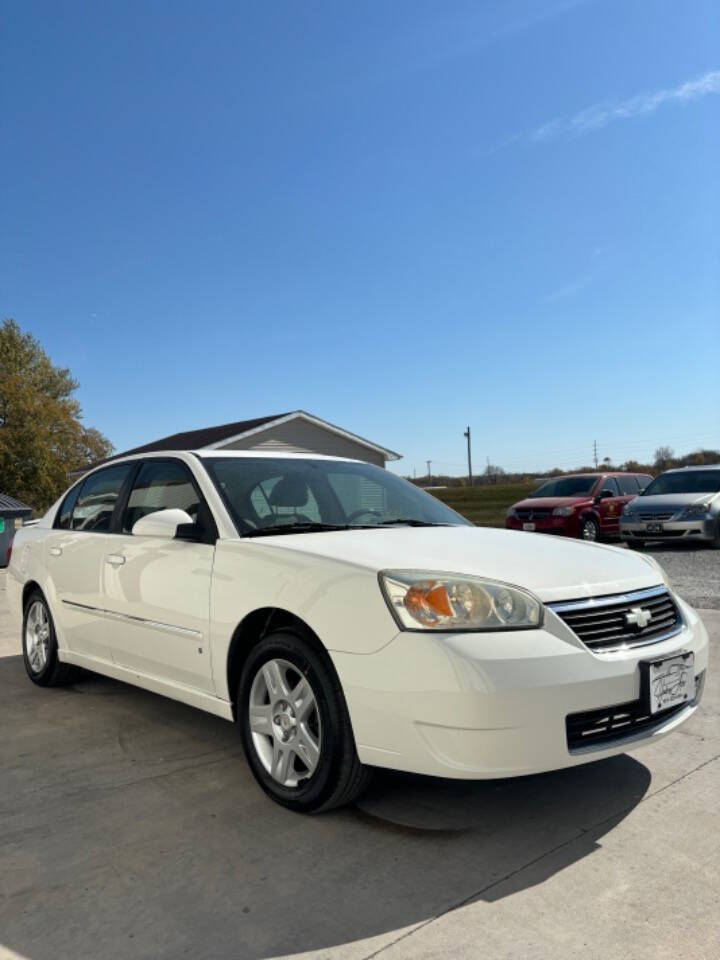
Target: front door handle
(55, 551)
(115, 559)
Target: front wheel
(715, 543)
(295, 726)
(589, 529)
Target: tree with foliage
(664, 457)
(42, 437)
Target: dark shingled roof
(195, 439)
(11, 505)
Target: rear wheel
(589, 529)
(40, 645)
(295, 726)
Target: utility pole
(466, 434)
(595, 454)
(429, 464)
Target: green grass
(486, 505)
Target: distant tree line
(665, 459)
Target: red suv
(585, 505)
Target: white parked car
(347, 620)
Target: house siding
(300, 436)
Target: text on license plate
(671, 682)
(529, 526)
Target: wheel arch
(29, 588)
(251, 630)
(589, 513)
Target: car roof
(694, 466)
(274, 455)
(601, 473)
(225, 454)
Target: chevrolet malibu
(346, 620)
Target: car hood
(670, 501)
(534, 503)
(553, 569)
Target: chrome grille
(606, 623)
(656, 516)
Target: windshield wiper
(315, 527)
(409, 522)
(296, 528)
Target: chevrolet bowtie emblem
(637, 617)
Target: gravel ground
(693, 570)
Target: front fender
(325, 593)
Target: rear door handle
(115, 559)
(55, 551)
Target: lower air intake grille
(607, 725)
(623, 620)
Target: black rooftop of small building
(9, 505)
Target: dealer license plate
(529, 526)
(654, 528)
(670, 682)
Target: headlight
(444, 601)
(697, 510)
(511, 512)
(627, 510)
(563, 511)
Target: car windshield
(566, 487)
(304, 496)
(687, 481)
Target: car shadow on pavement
(130, 826)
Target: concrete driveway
(130, 827)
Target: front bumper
(563, 526)
(700, 529)
(480, 706)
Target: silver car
(682, 504)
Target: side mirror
(604, 494)
(166, 523)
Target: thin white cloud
(602, 114)
(568, 291)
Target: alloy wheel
(37, 637)
(589, 530)
(284, 722)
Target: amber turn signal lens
(428, 602)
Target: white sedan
(345, 620)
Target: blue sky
(403, 217)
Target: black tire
(339, 777)
(52, 673)
(588, 524)
(715, 544)
(635, 544)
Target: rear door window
(64, 514)
(96, 501)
